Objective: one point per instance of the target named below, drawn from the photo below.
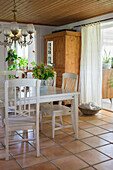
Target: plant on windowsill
(106, 60)
(33, 63)
(12, 60)
(22, 63)
(43, 72)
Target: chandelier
(14, 34)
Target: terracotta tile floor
(93, 149)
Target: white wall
(40, 32)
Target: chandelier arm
(30, 42)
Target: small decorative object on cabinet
(63, 53)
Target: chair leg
(41, 116)
(37, 142)
(34, 135)
(3, 116)
(53, 125)
(61, 119)
(72, 121)
(7, 145)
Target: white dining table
(55, 94)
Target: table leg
(75, 115)
(2, 116)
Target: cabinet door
(59, 52)
(73, 50)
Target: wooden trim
(62, 33)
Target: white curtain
(91, 64)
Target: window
(107, 40)
(28, 52)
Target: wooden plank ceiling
(54, 12)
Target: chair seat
(57, 109)
(21, 120)
(21, 124)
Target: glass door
(50, 53)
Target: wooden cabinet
(107, 90)
(66, 53)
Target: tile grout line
(42, 155)
(68, 151)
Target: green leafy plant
(43, 72)
(22, 62)
(107, 58)
(33, 63)
(12, 56)
(12, 60)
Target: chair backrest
(12, 73)
(52, 82)
(4, 75)
(69, 81)
(19, 97)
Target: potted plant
(12, 56)
(22, 63)
(12, 59)
(43, 72)
(106, 60)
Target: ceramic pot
(106, 65)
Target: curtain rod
(93, 22)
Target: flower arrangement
(43, 72)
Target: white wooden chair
(4, 75)
(13, 73)
(23, 117)
(70, 81)
(50, 82)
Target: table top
(50, 94)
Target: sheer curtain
(91, 64)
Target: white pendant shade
(14, 26)
(7, 31)
(24, 32)
(30, 28)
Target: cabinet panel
(107, 90)
(59, 77)
(59, 82)
(72, 56)
(59, 52)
